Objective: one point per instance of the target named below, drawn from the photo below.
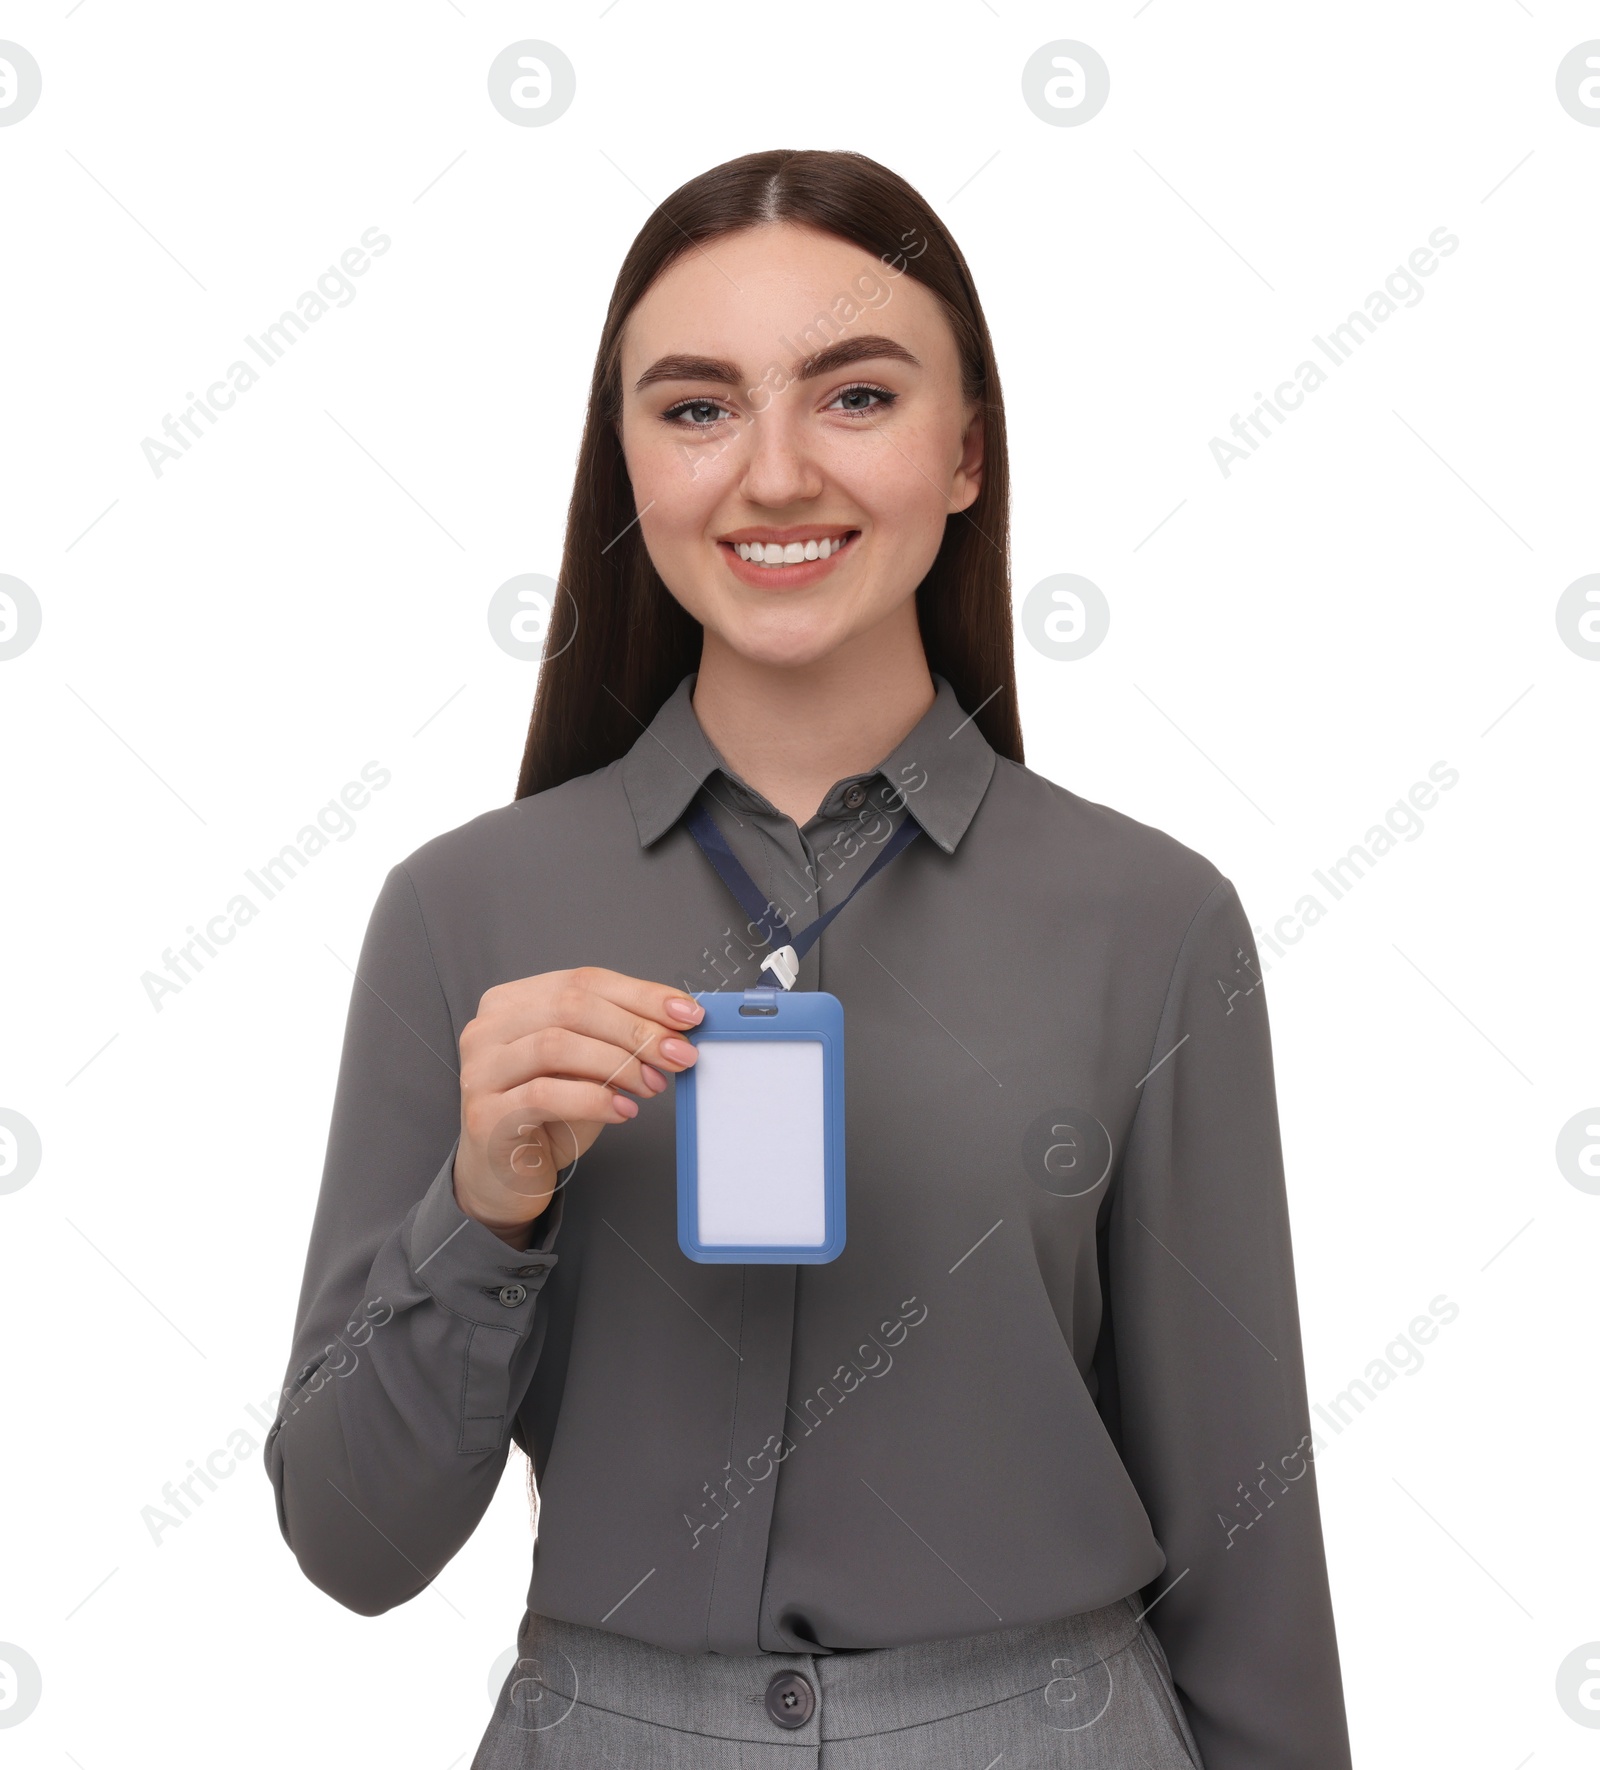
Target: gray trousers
(1090, 1692)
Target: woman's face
(785, 395)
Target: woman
(1022, 1477)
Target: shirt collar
(943, 767)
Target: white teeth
(790, 553)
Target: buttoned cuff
(469, 1268)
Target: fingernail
(680, 1008)
(653, 1077)
(628, 1108)
(677, 1050)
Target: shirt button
(790, 1700)
(855, 797)
(512, 1294)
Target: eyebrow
(822, 362)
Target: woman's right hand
(542, 1066)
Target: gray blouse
(1059, 1358)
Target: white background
(1291, 647)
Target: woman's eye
(862, 399)
(697, 414)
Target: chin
(786, 645)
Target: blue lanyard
(786, 950)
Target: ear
(968, 478)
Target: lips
(786, 573)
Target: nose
(779, 469)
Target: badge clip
(784, 964)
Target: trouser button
(791, 1701)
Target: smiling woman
(818, 294)
(781, 672)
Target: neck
(791, 733)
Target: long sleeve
(1206, 1377)
(418, 1328)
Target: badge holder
(761, 1113)
(761, 1130)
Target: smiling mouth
(771, 555)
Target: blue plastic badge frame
(748, 1017)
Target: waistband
(1069, 1663)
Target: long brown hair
(619, 641)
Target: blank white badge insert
(760, 1159)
